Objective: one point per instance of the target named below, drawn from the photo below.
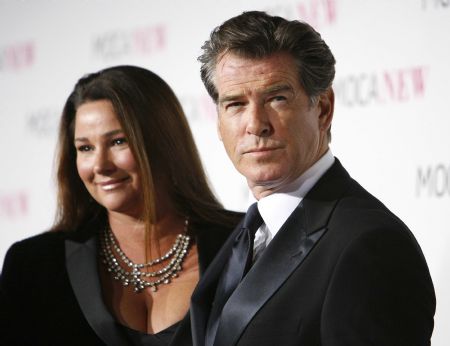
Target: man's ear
(326, 108)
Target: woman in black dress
(136, 224)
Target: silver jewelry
(130, 273)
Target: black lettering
(351, 89)
(434, 179)
(358, 90)
(440, 180)
(424, 180)
(42, 122)
(111, 45)
(367, 89)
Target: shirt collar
(277, 207)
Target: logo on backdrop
(199, 107)
(388, 86)
(146, 41)
(433, 180)
(13, 204)
(435, 4)
(42, 122)
(317, 13)
(17, 56)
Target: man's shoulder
(362, 215)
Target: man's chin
(266, 182)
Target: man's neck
(264, 189)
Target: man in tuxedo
(329, 263)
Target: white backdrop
(391, 121)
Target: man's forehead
(237, 75)
(230, 62)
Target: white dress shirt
(276, 208)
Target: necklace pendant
(136, 274)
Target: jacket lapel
(203, 295)
(208, 245)
(81, 263)
(285, 253)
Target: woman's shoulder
(32, 253)
(210, 236)
(39, 241)
(218, 230)
(46, 242)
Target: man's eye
(234, 104)
(279, 98)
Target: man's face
(268, 126)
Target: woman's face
(105, 162)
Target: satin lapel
(207, 245)
(81, 263)
(285, 253)
(203, 295)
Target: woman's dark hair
(159, 138)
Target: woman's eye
(119, 141)
(84, 148)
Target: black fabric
(236, 268)
(38, 305)
(82, 269)
(342, 271)
(161, 338)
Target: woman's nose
(103, 163)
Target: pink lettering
(19, 56)
(402, 94)
(160, 33)
(418, 80)
(318, 12)
(405, 84)
(150, 39)
(208, 107)
(331, 10)
(14, 205)
(389, 83)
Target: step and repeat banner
(391, 124)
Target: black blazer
(342, 271)
(50, 291)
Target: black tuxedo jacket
(50, 291)
(342, 271)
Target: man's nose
(258, 121)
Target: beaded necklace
(130, 273)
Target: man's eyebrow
(278, 88)
(267, 91)
(230, 97)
